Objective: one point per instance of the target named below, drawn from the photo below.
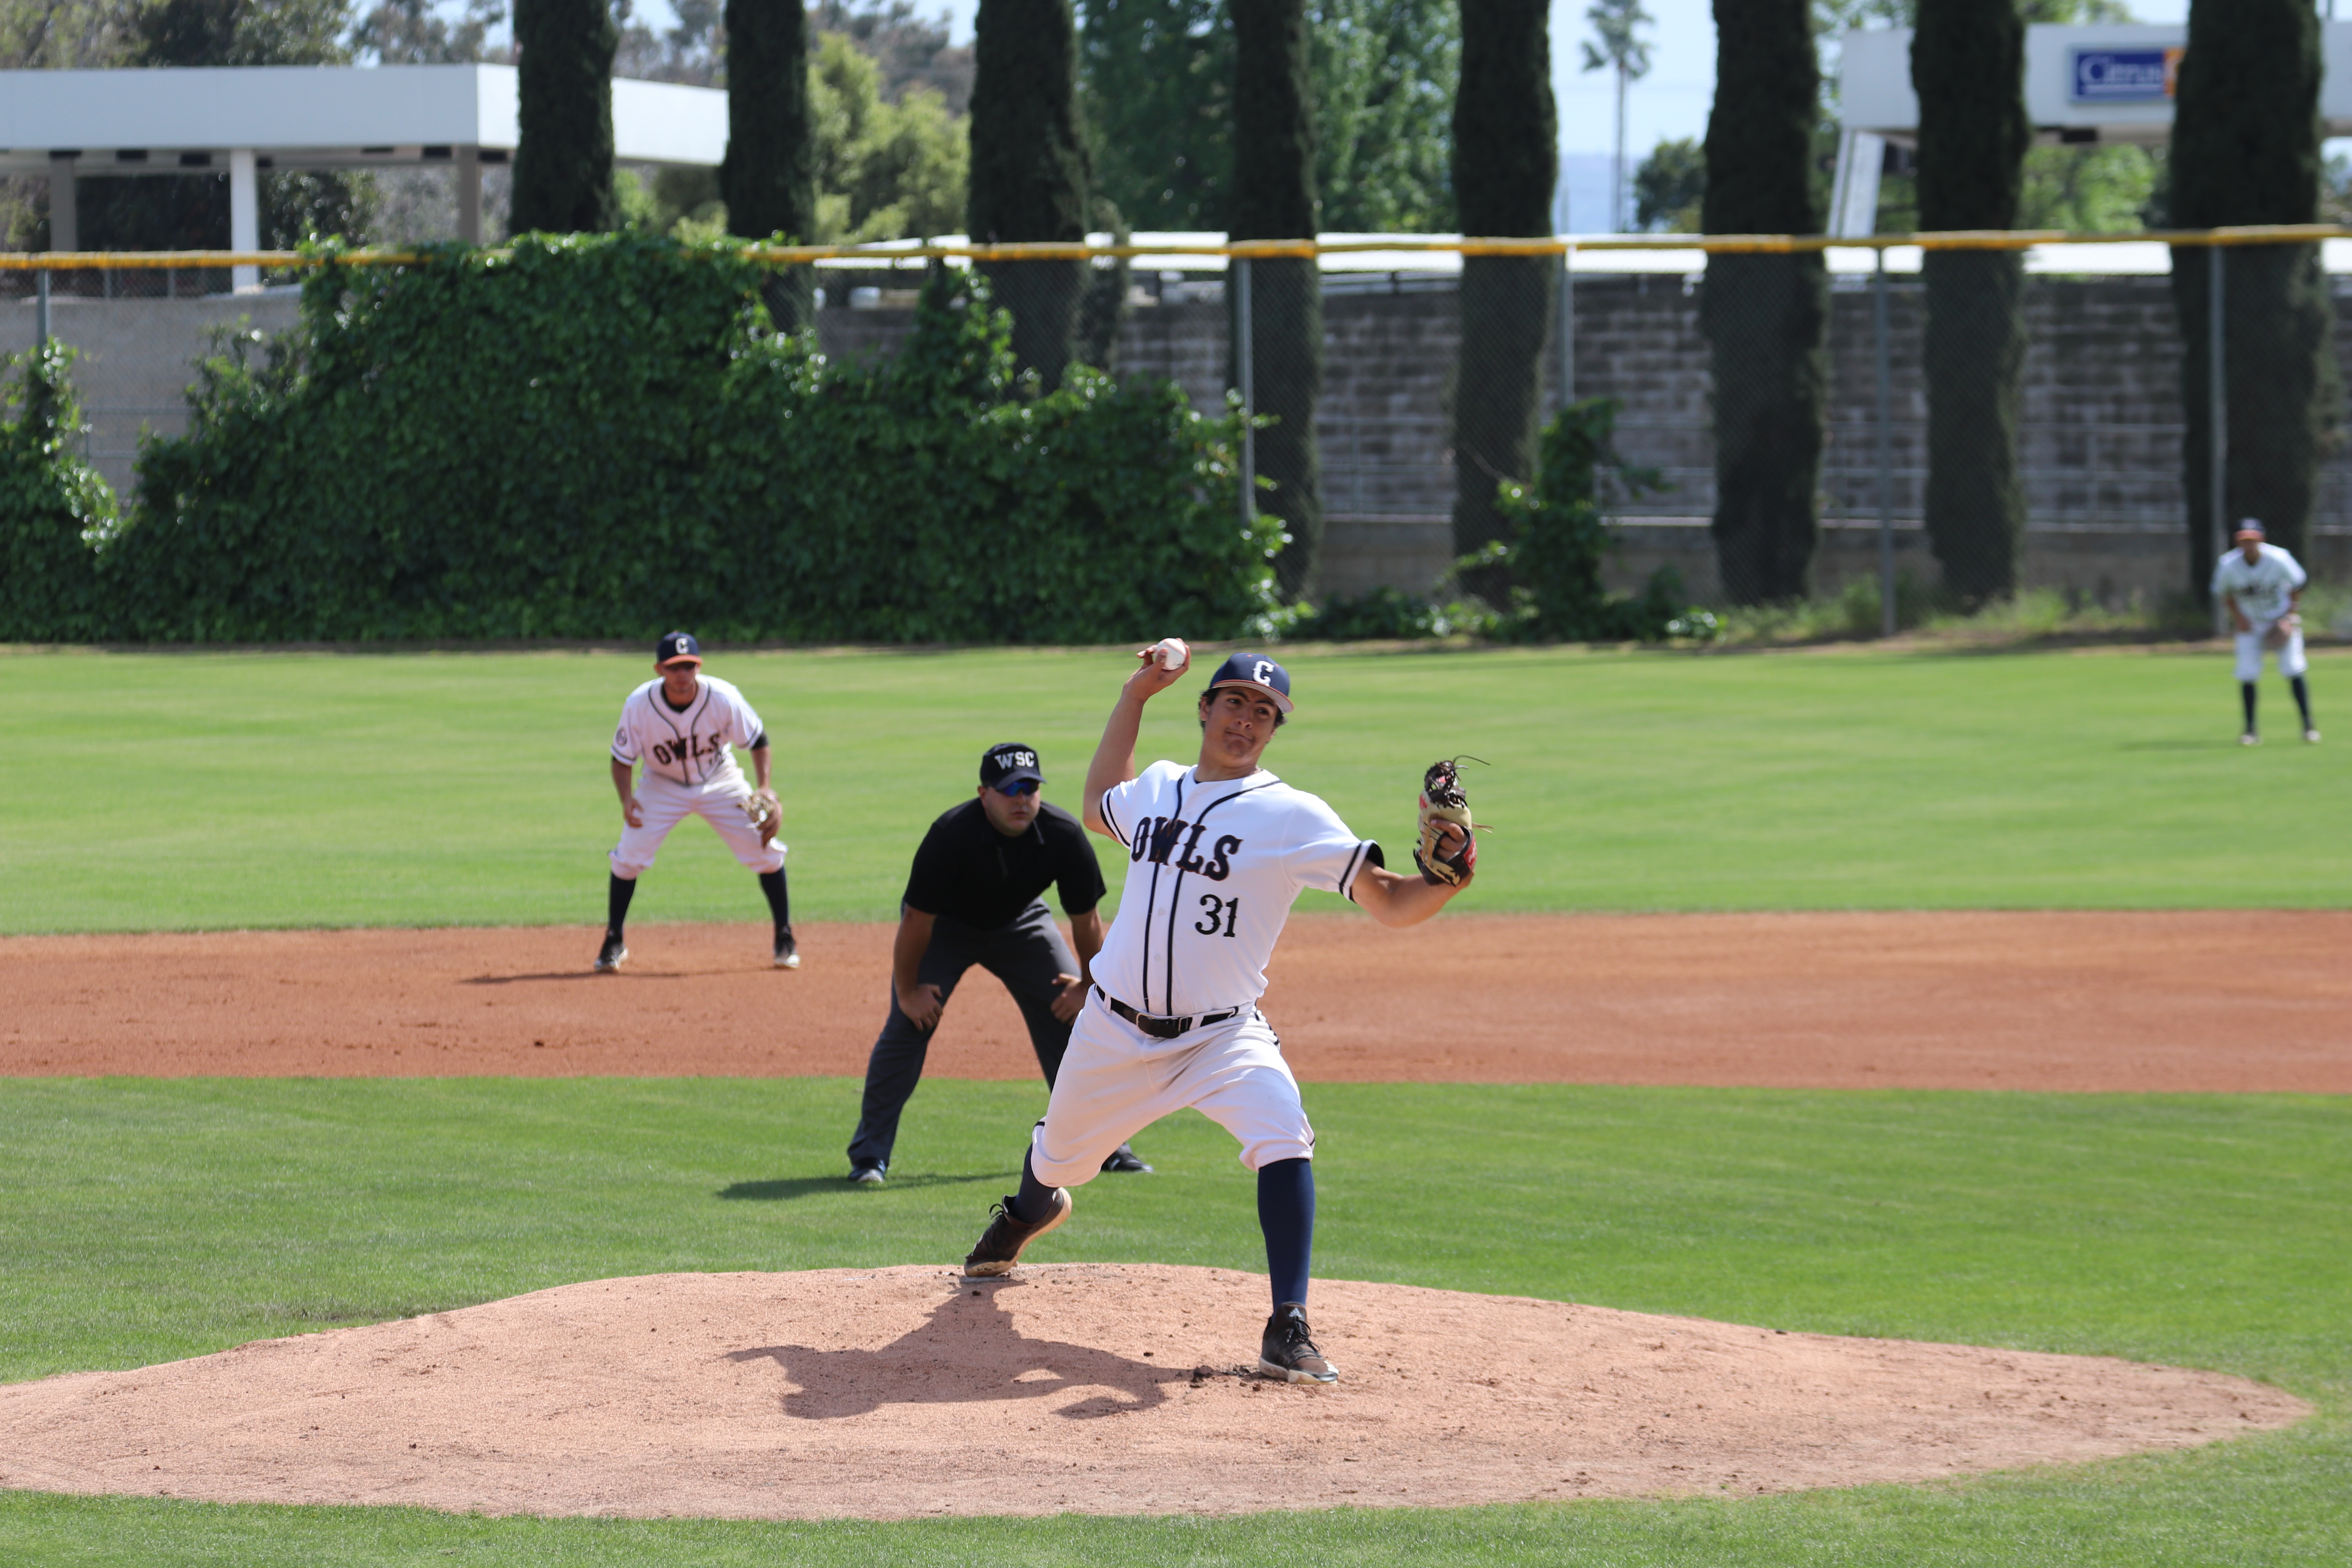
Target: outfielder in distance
(2263, 585)
(681, 726)
(1219, 852)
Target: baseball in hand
(1172, 653)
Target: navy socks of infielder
(2295, 683)
(780, 900)
(616, 903)
(2246, 697)
(617, 897)
(1285, 1212)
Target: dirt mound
(1095, 1388)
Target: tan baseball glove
(1447, 849)
(2285, 626)
(766, 811)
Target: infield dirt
(2180, 1002)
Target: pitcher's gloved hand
(1447, 849)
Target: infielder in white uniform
(1218, 853)
(2263, 587)
(681, 726)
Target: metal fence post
(1885, 450)
(41, 309)
(2217, 415)
(1567, 326)
(1245, 351)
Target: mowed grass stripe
(219, 791)
(156, 1219)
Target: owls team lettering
(1156, 841)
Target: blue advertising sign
(2139, 75)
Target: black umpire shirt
(968, 871)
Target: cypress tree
(1506, 166)
(1967, 65)
(2245, 150)
(563, 165)
(1765, 316)
(769, 177)
(1029, 169)
(1273, 197)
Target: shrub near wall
(597, 437)
(52, 502)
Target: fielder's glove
(2285, 626)
(766, 811)
(1442, 805)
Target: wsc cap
(1258, 672)
(1003, 764)
(677, 647)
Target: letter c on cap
(1264, 674)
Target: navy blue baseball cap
(1258, 673)
(677, 647)
(1008, 761)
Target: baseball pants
(1116, 1080)
(664, 802)
(2291, 662)
(1027, 955)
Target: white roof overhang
(156, 120)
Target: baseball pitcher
(1218, 852)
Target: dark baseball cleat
(788, 952)
(1124, 1158)
(610, 956)
(1288, 1350)
(999, 1248)
(866, 1175)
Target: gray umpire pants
(1027, 955)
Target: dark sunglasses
(1018, 788)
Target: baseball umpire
(972, 897)
(2263, 587)
(1219, 852)
(681, 725)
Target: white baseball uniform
(2263, 589)
(689, 769)
(1214, 868)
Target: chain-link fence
(1983, 422)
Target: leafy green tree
(1669, 187)
(1274, 199)
(1765, 317)
(2246, 150)
(884, 170)
(1506, 166)
(1029, 169)
(563, 165)
(1158, 77)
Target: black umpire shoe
(1124, 1158)
(999, 1248)
(610, 956)
(870, 1175)
(1288, 1350)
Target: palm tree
(1619, 51)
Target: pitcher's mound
(1098, 1388)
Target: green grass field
(149, 1220)
(142, 1219)
(197, 790)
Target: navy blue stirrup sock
(1036, 1199)
(1285, 1212)
(616, 903)
(2302, 697)
(2246, 696)
(779, 898)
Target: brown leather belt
(1161, 1028)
